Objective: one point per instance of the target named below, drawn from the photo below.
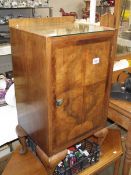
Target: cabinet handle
(59, 102)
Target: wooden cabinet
(62, 72)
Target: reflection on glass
(56, 30)
(124, 35)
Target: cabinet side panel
(30, 72)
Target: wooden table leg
(116, 166)
(127, 159)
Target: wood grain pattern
(123, 56)
(122, 107)
(112, 20)
(107, 149)
(33, 166)
(24, 165)
(30, 70)
(81, 85)
(127, 159)
(48, 69)
(22, 139)
(50, 163)
(120, 112)
(119, 119)
(117, 13)
(107, 20)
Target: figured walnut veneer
(62, 97)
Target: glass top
(62, 29)
(124, 32)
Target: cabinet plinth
(62, 77)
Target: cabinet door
(79, 90)
(68, 93)
(96, 68)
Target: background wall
(67, 5)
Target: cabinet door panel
(94, 96)
(80, 86)
(68, 116)
(99, 54)
(69, 89)
(68, 68)
(95, 80)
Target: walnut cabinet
(62, 76)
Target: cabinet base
(49, 163)
(22, 139)
(101, 135)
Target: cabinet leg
(127, 160)
(50, 163)
(101, 135)
(22, 139)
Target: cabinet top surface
(63, 29)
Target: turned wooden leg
(22, 139)
(127, 160)
(101, 135)
(50, 163)
(116, 166)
